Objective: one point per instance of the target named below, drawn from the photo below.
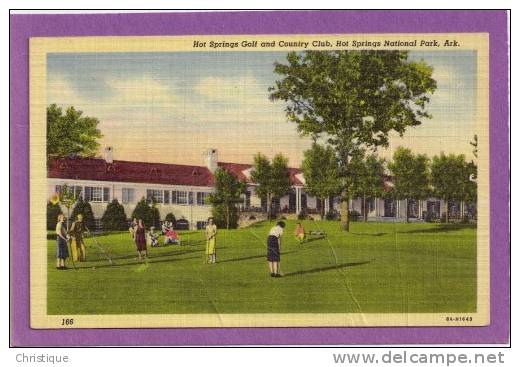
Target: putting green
(377, 267)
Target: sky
(171, 107)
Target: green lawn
(377, 267)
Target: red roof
(96, 169)
(123, 171)
(237, 170)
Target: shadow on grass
(150, 261)
(326, 268)
(307, 240)
(262, 256)
(377, 234)
(134, 254)
(442, 228)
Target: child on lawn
(300, 233)
(154, 237)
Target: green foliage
(411, 176)
(225, 217)
(353, 98)
(450, 177)
(70, 133)
(367, 176)
(321, 174)
(272, 178)
(84, 208)
(170, 217)
(53, 210)
(474, 144)
(227, 195)
(148, 213)
(114, 217)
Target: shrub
(148, 213)
(354, 215)
(170, 217)
(219, 214)
(53, 210)
(302, 215)
(84, 208)
(331, 215)
(114, 217)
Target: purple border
(284, 22)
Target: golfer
(140, 239)
(62, 252)
(78, 246)
(274, 245)
(211, 242)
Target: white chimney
(211, 159)
(109, 154)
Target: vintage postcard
(259, 181)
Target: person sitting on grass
(171, 237)
(153, 237)
(62, 252)
(300, 233)
(164, 227)
(274, 244)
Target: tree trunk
(407, 212)
(268, 206)
(322, 208)
(345, 220)
(227, 216)
(447, 212)
(461, 210)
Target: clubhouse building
(182, 190)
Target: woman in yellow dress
(211, 234)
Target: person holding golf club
(211, 242)
(62, 252)
(274, 244)
(78, 245)
(140, 240)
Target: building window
(182, 197)
(76, 189)
(167, 196)
(155, 195)
(202, 197)
(128, 196)
(97, 194)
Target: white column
(298, 201)
(326, 203)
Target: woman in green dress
(211, 234)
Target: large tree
(450, 178)
(354, 99)
(272, 178)
(227, 195)
(411, 176)
(71, 133)
(320, 170)
(367, 180)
